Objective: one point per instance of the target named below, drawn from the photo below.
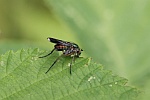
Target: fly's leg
(53, 64)
(48, 54)
(71, 63)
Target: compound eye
(78, 53)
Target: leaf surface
(22, 76)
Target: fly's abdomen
(60, 47)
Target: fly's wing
(59, 42)
(54, 40)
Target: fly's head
(77, 50)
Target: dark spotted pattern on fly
(68, 49)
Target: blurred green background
(115, 33)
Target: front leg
(73, 59)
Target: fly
(67, 48)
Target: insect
(67, 48)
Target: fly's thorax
(75, 45)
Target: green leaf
(22, 76)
